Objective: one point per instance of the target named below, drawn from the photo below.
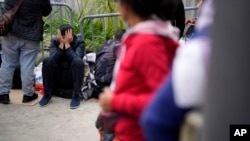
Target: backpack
(7, 18)
(89, 83)
(105, 61)
(104, 65)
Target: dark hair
(164, 9)
(119, 34)
(63, 28)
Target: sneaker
(75, 102)
(27, 99)
(45, 100)
(4, 99)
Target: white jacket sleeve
(190, 72)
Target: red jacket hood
(157, 27)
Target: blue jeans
(17, 51)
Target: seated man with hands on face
(64, 69)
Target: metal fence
(65, 14)
(95, 29)
(188, 3)
(101, 22)
(89, 26)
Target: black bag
(104, 65)
(105, 61)
(64, 93)
(17, 82)
(7, 18)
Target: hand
(60, 39)
(105, 100)
(68, 38)
(190, 21)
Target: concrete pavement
(56, 122)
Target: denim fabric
(0, 58)
(17, 51)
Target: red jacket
(143, 62)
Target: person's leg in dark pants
(48, 72)
(77, 69)
(64, 82)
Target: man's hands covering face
(65, 40)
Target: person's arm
(162, 119)
(79, 51)
(55, 50)
(153, 64)
(69, 38)
(46, 7)
(131, 105)
(180, 17)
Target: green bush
(85, 7)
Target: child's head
(164, 9)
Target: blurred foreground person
(144, 59)
(184, 90)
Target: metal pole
(104, 28)
(227, 100)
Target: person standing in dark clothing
(21, 46)
(64, 68)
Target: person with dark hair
(64, 68)
(21, 46)
(144, 59)
(179, 18)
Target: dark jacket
(28, 23)
(105, 61)
(65, 57)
